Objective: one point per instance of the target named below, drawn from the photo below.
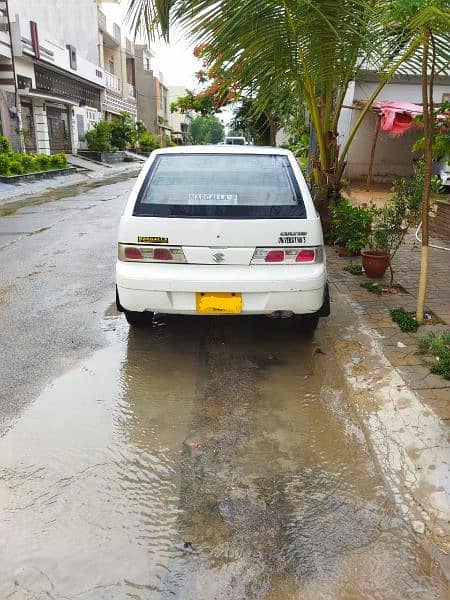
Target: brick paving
(398, 347)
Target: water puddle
(54, 194)
(207, 459)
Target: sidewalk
(404, 410)
(90, 172)
(400, 348)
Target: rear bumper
(265, 289)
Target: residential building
(57, 79)
(393, 155)
(179, 122)
(117, 59)
(9, 121)
(146, 89)
(162, 107)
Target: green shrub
(16, 167)
(123, 131)
(404, 319)
(27, 162)
(5, 145)
(354, 269)
(99, 137)
(351, 225)
(148, 142)
(4, 164)
(18, 163)
(437, 347)
(371, 287)
(58, 161)
(41, 162)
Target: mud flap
(325, 309)
(118, 305)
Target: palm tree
(309, 49)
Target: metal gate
(29, 134)
(58, 128)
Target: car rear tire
(307, 323)
(138, 319)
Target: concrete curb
(408, 440)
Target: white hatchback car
(220, 230)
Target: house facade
(118, 62)
(179, 122)
(57, 84)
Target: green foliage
(118, 134)
(123, 131)
(351, 225)
(391, 223)
(206, 130)
(441, 137)
(42, 162)
(438, 348)
(371, 287)
(404, 319)
(148, 142)
(58, 161)
(354, 269)
(99, 137)
(18, 163)
(5, 145)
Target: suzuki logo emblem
(218, 257)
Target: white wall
(62, 22)
(393, 156)
(400, 92)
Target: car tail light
(162, 254)
(147, 253)
(133, 253)
(305, 256)
(274, 256)
(287, 256)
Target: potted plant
(376, 259)
(351, 227)
(390, 224)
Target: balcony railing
(101, 20)
(131, 90)
(112, 81)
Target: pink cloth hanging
(397, 117)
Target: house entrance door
(58, 128)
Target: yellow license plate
(214, 303)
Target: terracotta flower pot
(375, 263)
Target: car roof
(223, 149)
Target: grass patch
(404, 320)
(437, 349)
(354, 269)
(371, 287)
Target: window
(221, 186)
(72, 57)
(147, 64)
(111, 66)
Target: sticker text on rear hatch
(152, 239)
(292, 237)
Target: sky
(175, 60)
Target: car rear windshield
(221, 186)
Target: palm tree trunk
(427, 103)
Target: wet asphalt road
(205, 458)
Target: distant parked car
(444, 173)
(234, 141)
(219, 230)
